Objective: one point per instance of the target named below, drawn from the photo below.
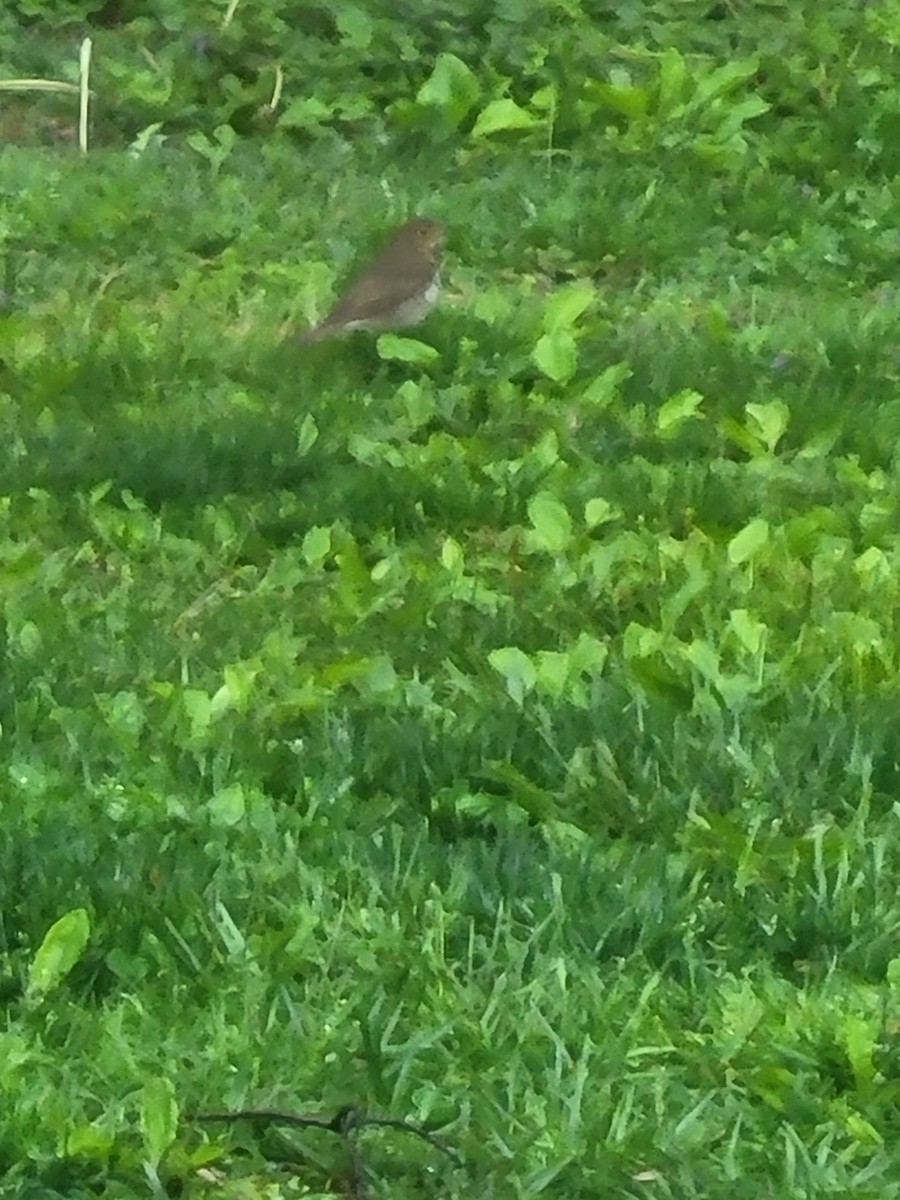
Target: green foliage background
(495, 727)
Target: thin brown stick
(345, 1121)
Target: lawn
(492, 728)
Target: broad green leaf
(355, 26)
(354, 582)
(751, 539)
(452, 556)
(214, 149)
(418, 401)
(657, 678)
(677, 409)
(556, 355)
(452, 88)
(736, 690)
(776, 1085)
(552, 671)
(750, 631)
(672, 76)
(704, 658)
(222, 701)
(317, 544)
(29, 640)
(544, 454)
(736, 432)
(379, 678)
(307, 435)
(492, 305)
(603, 390)
(631, 102)
(124, 713)
(145, 137)
(227, 806)
(545, 98)
(551, 521)
(19, 563)
(861, 1036)
(371, 451)
(598, 511)
(517, 670)
(821, 443)
(723, 79)
(502, 115)
(198, 706)
(17, 1051)
(567, 304)
(770, 421)
(89, 1142)
(159, 1118)
(588, 654)
(641, 641)
(305, 111)
(863, 633)
(736, 115)
(874, 568)
(62, 947)
(392, 348)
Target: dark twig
(430, 1138)
(346, 1122)
(358, 1188)
(335, 1124)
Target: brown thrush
(399, 287)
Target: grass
(506, 749)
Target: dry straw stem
(81, 89)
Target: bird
(398, 288)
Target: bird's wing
(372, 296)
